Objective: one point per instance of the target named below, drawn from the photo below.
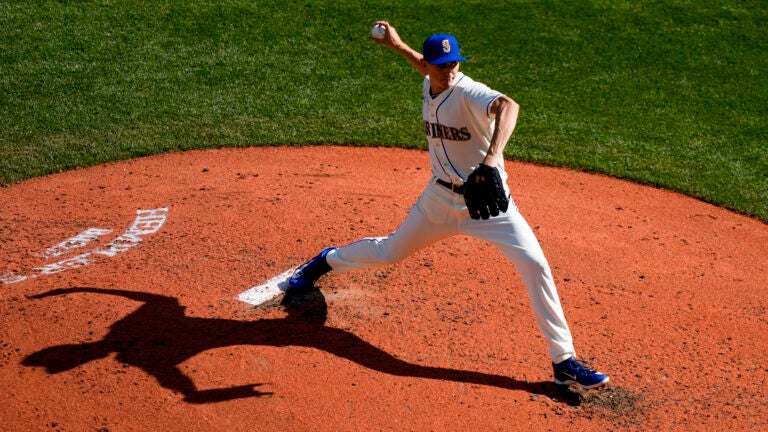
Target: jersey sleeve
(479, 98)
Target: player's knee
(533, 264)
(388, 254)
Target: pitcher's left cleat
(305, 276)
(572, 372)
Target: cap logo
(446, 46)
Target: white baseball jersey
(459, 125)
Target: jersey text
(436, 130)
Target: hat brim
(446, 59)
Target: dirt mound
(119, 302)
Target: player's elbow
(510, 104)
(505, 105)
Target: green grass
(668, 93)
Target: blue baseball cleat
(573, 372)
(305, 276)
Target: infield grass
(668, 93)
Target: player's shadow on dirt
(158, 336)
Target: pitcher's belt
(459, 189)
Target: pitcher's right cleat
(305, 276)
(573, 372)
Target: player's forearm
(391, 39)
(506, 111)
(414, 57)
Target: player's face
(442, 76)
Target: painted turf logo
(146, 222)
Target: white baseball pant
(440, 213)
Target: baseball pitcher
(467, 125)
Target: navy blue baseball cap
(441, 48)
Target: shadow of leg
(224, 394)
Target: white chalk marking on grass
(268, 290)
(146, 222)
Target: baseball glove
(484, 193)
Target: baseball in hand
(378, 31)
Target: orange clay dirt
(119, 307)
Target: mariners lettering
(146, 222)
(437, 130)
